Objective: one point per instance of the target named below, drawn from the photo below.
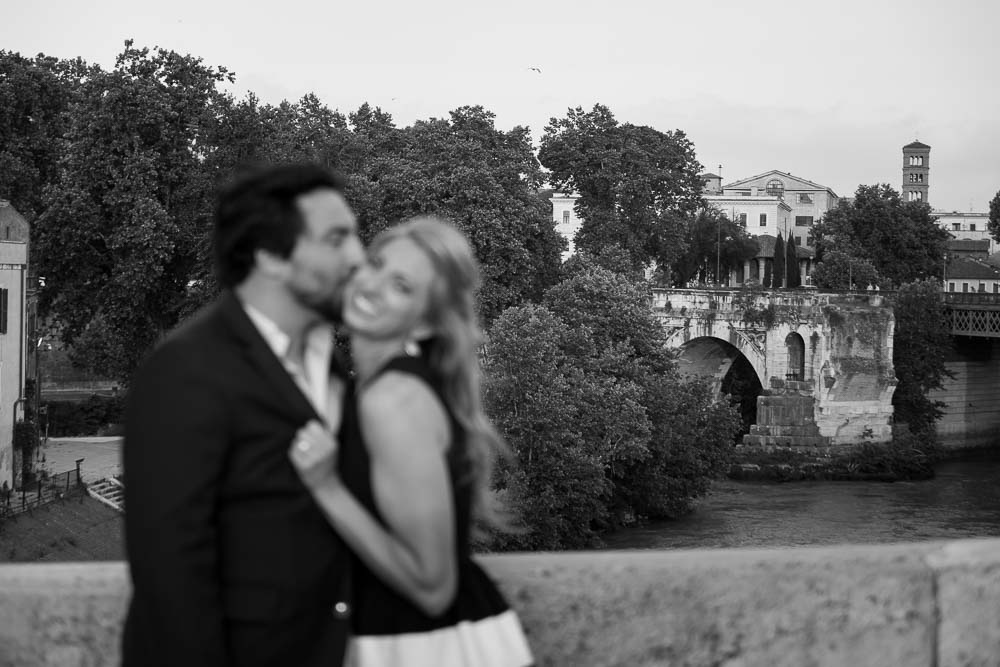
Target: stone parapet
(919, 605)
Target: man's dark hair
(257, 211)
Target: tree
(604, 427)
(778, 272)
(119, 233)
(900, 239)
(481, 178)
(922, 343)
(35, 95)
(792, 265)
(636, 184)
(993, 224)
(712, 238)
(838, 270)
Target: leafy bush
(91, 416)
(604, 427)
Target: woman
(415, 462)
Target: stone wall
(971, 407)
(913, 605)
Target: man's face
(326, 253)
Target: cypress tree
(792, 264)
(779, 263)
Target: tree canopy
(900, 239)
(121, 167)
(710, 239)
(604, 425)
(993, 223)
(922, 343)
(637, 185)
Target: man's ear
(271, 265)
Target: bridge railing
(920, 605)
(972, 298)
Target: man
(232, 563)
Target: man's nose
(356, 253)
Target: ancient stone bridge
(823, 360)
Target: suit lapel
(262, 358)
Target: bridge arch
(727, 368)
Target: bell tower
(916, 172)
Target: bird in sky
(535, 69)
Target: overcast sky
(829, 91)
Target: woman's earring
(411, 348)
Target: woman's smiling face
(389, 295)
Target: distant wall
(912, 605)
(972, 398)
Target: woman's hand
(314, 455)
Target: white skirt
(497, 641)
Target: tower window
(565, 217)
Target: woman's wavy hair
(453, 351)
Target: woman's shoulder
(397, 403)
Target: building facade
(566, 219)
(13, 342)
(804, 202)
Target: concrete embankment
(914, 605)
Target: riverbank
(904, 459)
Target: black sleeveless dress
(479, 629)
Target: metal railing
(38, 493)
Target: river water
(962, 501)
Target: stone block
(968, 584)
(854, 606)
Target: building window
(996, 288)
(565, 217)
(951, 287)
(743, 219)
(763, 219)
(805, 199)
(982, 287)
(972, 226)
(956, 226)
(745, 193)
(775, 188)
(965, 287)
(803, 220)
(798, 240)
(3, 311)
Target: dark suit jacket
(232, 563)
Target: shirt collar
(319, 338)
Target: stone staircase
(109, 491)
(785, 420)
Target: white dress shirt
(313, 375)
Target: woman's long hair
(453, 350)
